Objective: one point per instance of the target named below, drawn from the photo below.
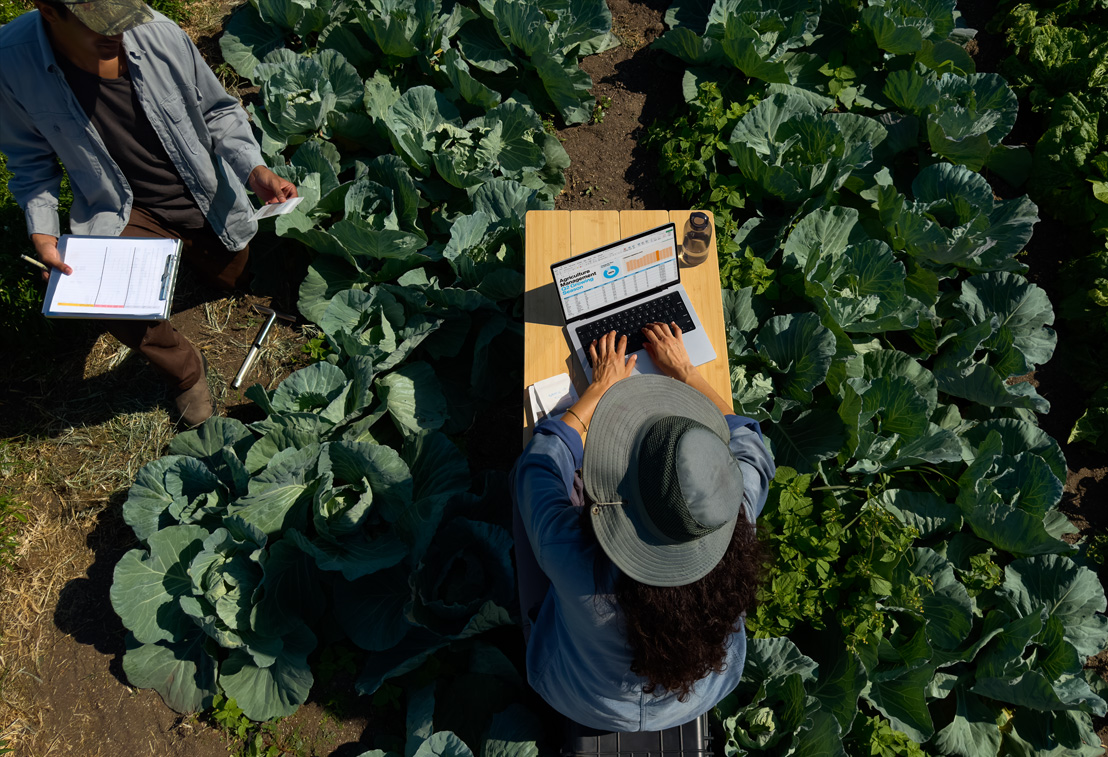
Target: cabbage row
(922, 600)
(350, 512)
(1059, 67)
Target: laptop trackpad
(698, 346)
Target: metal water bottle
(698, 236)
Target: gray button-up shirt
(204, 130)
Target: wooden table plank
(590, 229)
(548, 239)
(635, 221)
(553, 235)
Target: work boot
(194, 405)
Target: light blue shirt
(205, 131)
(578, 658)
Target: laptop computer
(623, 286)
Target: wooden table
(553, 235)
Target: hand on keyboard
(667, 349)
(609, 361)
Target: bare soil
(78, 417)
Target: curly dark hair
(678, 634)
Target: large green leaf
(373, 610)
(381, 467)
(310, 389)
(800, 349)
(413, 398)
(770, 660)
(902, 700)
(247, 39)
(583, 23)
(520, 24)
(274, 691)
(413, 117)
(467, 563)
(1069, 592)
(1018, 436)
(357, 555)
(514, 732)
(278, 496)
(172, 489)
(284, 432)
(973, 731)
(926, 512)
(1021, 339)
(146, 585)
(207, 440)
(482, 47)
(822, 739)
(443, 744)
(290, 590)
(520, 128)
(690, 47)
(948, 609)
(823, 232)
(227, 573)
(182, 673)
(470, 88)
(419, 644)
(801, 442)
(839, 685)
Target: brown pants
(167, 350)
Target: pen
(34, 262)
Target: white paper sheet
(113, 277)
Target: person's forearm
(579, 415)
(692, 377)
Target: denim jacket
(204, 130)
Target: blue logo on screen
(611, 272)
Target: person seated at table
(637, 552)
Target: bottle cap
(698, 220)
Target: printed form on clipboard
(114, 277)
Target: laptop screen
(617, 273)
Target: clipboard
(114, 278)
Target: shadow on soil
(84, 609)
(647, 72)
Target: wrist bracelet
(578, 417)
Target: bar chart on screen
(644, 260)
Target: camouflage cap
(110, 17)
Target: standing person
(150, 141)
(637, 553)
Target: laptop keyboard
(664, 309)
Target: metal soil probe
(257, 345)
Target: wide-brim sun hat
(110, 17)
(666, 492)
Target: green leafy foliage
(21, 296)
(693, 154)
(1059, 67)
(877, 319)
(12, 513)
(836, 558)
(238, 568)
(480, 53)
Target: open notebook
(114, 277)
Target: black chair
(692, 739)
